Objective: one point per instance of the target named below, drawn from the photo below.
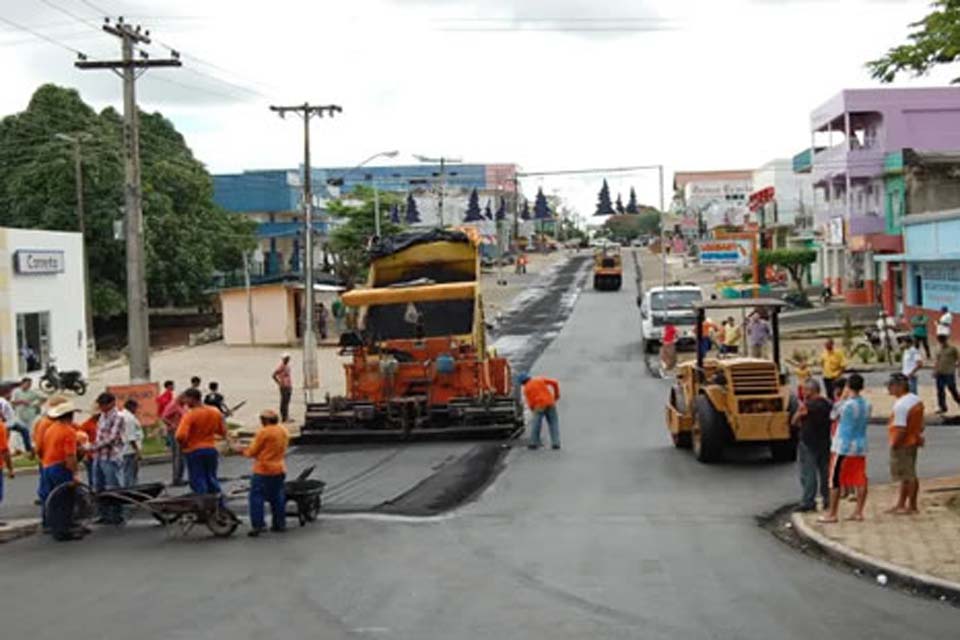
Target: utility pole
(306, 111)
(138, 328)
(76, 140)
(246, 285)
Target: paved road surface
(617, 536)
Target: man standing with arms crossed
(906, 437)
(281, 375)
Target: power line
(70, 14)
(43, 37)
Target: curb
(857, 559)
(18, 529)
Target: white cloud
(730, 85)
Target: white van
(672, 305)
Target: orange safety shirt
(59, 443)
(4, 442)
(199, 428)
(38, 430)
(268, 449)
(541, 393)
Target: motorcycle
(54, 380)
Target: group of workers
(110, 451)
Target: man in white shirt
(132, 444)
(9, 416)
(944, 322)
(911, 364)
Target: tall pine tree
(525, 211)
(541, 208)
(632, 202)
(473, 208)
(604, 207)
(619, 205)
(487, 213)
(502, 210)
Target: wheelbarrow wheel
(312, 509)
(222, 523)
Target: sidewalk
(923, 550)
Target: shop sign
(725, 253)
(941, 285)
(146, 397)
(38, 261)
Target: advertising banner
(726, 253)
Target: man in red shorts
(848, 463)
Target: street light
(376, 192)
(443, 162)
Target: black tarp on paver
(396, 243)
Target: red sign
(760, 198)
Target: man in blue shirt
(848, 465)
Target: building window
(917, 289)
(33, 341)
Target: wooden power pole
(311, 378)
(138, 327)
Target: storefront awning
(906, 257)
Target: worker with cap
(268, 450)
(542, 395)
(59, 459)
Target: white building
(793, 199)
(42, 302)
(713, 198)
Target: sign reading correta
(38, 261)
(725, 253)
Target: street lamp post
(76, 141)
(443, 160)
(373, 183)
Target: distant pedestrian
(833, 363)
(707, 331)
(906, 437)
(801, 370)
(132, 444)
(108, 456)
(215, 399)
(910, 364)
(284, 380)
(268, 449)
(9, 417)
(887, 332)
(195, 383)
(758, 334)
(542, 395)
(171, 419)
(944, 322)
(848, 459)
(166, 396)
(59, 467)
(918, 329)
(668, 347)
(339, 311)
(322, 320)
(27, 402)
(197, 436)
(732, 336)
(945, 372)
(6, 460)
(813, 420)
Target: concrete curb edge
(846, 554)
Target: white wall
(61, 294)
(791, 188)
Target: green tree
(632, 202)
(629, 227)
(349, 241)
(187, 237)
(795, 261)
(604, 206)
(934, 41)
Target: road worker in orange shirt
(542, 395)
(268, 450)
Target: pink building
(852, 134)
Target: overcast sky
(548, 84)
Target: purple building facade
(852, 133)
